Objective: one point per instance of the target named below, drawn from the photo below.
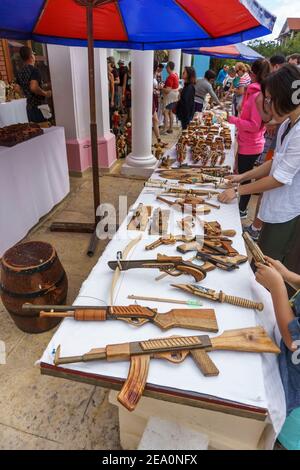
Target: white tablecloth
(246, 378)
(13, 112)
(33, 179)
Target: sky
(282, 9)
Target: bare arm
(37, 90)
(257, 173)
(272, 280)
(260, 186)
(289, 277)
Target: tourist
(114, 71)
(155, 102)
(220, 79)
(123, 71)
(279, 179)
(29, 80)
(273, 277)
(202, 88)
(159, 71)
(170, 94)
(186, 105)
(127, 97)
(276, 62)
(111, 85)
(228, 82)
(250, 127)
(294, 59)
(240, 87)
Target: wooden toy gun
(187, 207)
(254, 249)
(168, 240)
(222, 262)
(136, 315)
(218, 246)
(211, 294)
(173, 349)
(173, 265)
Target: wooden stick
(170, 301)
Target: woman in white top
(278, 180)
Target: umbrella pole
(93, 124)
(88, 227)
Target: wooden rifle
(181, 205)
(174, 349)
(254, 249)
(168, 240)
(173, 265)
(136, 315)
(211, 294)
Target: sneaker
(253, 232)
(244, 214)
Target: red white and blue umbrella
(235, 51)
(136, 24)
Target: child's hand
(269, 277)
(279, 267)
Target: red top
(172, 81)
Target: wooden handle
(204, 362)
(245, 339)
(90, 315)
(228, 233)
(192, 270)
(240, 302)
(195, 319)
(135, 383)
(186, 247)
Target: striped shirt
(245, 81)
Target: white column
(141, 161)
(175, 56)
(186, 61)
(109, 52)
(69, 79)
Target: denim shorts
(171, 106)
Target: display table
(13, 112)
(248, 391)
(33, 179)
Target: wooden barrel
(31, 272)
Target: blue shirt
(221, 77)
(289, 362)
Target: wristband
(236, 190)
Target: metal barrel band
(32, 295)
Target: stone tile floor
(41, 412)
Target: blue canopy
(136, 24)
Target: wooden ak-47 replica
(187, 205)
(211, 294)
(136, 315)
(173, 349)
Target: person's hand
(269, 277)
(227, 196)
(48, 94)
(280, 268)
(112, 103)
(234, 179)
